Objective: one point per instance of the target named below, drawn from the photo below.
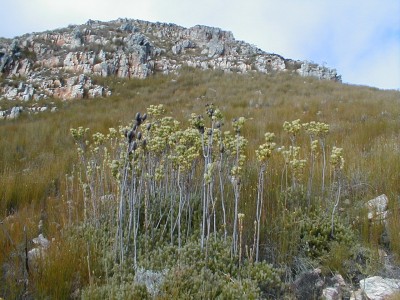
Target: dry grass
(395, 296)
(37, 151)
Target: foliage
(154, 191)
(317, 238)
(217, 276)
(113, 290)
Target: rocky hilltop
(61, 63)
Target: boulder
(127, 27)
(34, 254)
(336, 288)
(136, 41)
(27, 95)
(331, 293)
(180, 46)
(309, 285)
(22, 67)
(5, 61)
(10, 93)
(377, 208)
(320, 72)
(15, 112)
(378, 288)
(97, 91)
(41, 241)
(215, 48)
(76, 40)
(77, 91)
(41, 245)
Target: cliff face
(61, 63)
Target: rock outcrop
(62, 63)
(41, 245)
(309, 285)
(378, 208)
(377, 288)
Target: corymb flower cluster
(264, 151)
(337, 160)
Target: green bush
(317, 238)
(211, 274)
(267, 278)
(115, 291)
(240, 289)
(188, 283)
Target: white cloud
(352, 36)
(381, 68)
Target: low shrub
(318, 238)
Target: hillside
(202, 184)
(61, 63)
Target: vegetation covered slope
(44, 181)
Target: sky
(359, 38)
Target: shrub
(116, 291)
(267, 278)
(317, 238)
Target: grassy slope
(37, 151)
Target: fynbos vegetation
(199, 197)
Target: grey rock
(101, 69)
(204, 51)
(39, 251)
(83, 79)
(377, 207)
(378, 288)
(338, 280)
(321, 72)
(29, 90)
(308, 285)
(97, 91)
(77, 91)
(5, 61)
(215, 48)
(102, 55)
(38, 97)
(10, 93)
(138, 41)
(34, 254)
(20, 68)
(76, 40)
(336, 288)
(14, 47)
(331, 293)
(205, 34)
(129, 49)
(180, 46)
(41, 241)
(128, 27)
(15, 112)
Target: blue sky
(360, 38)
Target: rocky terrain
(62, 63)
